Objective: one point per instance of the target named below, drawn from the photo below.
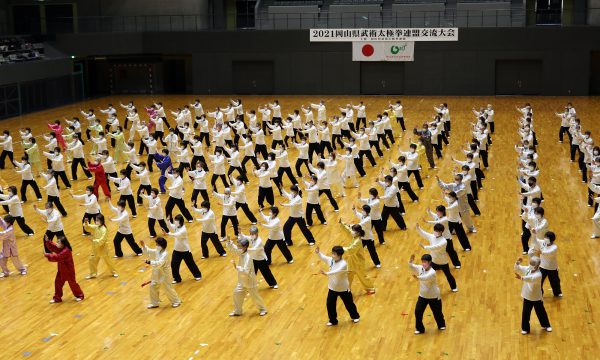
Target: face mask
(538, 216)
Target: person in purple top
(163, 161)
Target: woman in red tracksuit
(58, 131)
(99, 178)
(60, 253)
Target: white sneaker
(523, 332)
(53, 301)
(24, 272)
(176, 304)
(275, 286)
(89, 277)
(455, 290)
(151, 306)
(442, 328)
(337, 210)
(262, 313)
(173, 282)
(378, 266)
(198, 278)
(292, 261)
(138, 254)
(254, 223)
(78, 299)
(329, 324)
(224, 255)
(417, 332)
(457, 267)
(3, 275)
(549, 329)
(355, 320)
(234, 314)
(116, 275)
(311, 244)
(204, 257)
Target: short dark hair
(338, 250)
(162, 242)
(438, 227)
(426, 257)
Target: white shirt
(207, 220)
(51, 187)
(532, 283)
(436, 247)
(199, 177)
(24, 170)
(181, 237)
(295, 204)
(548, 255)
(256, 248)
(240, 192)
(90, 203)
(365, 223)
(57, 161)
(52, 218)
(176, 186)
(389, 195)
(155, 210)
(375, 205)
(142, 173)
(428, 288)
(124, 185)
(274, 226)
(228, 203)
(218, 163)
(122, 219)
(337, 274)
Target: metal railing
(263, 20)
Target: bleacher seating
(18, 49)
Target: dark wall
(466, 67)
(34, 70)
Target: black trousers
(312, 149)
(181, 205)
(249, 158)
(473, 204)
(3, 156)
(438, 149)
(452, 253)
(289, 225)
(189, 262)
(360, 120)
(146, 189)
(378, 226)
(375, 144)
(91, 218)
(34, 186)
(483, 154)
(23, 225)
(370, 245)
(540, 311)
(436, 309)
(288, 172)
(381, 137)
(234, 221)
(299, 163)
(358, 164)
(247, 211)
(474, 188)
(195, 160)
(59, 206)
(130, 240)
(329, 195)
(202, 192)
(213, 180)
(574, 149)
(205, 136)
(130, 202)
(446, 270)
(158, 135)
(563, 129)
(348, 303)
(552, 275)
(162, 223)
(459, 230)
(429, 153)
(274, 144)
(417, 175)
(406, 186)
(326, 145)
(214, 238)
(525, 236)
(309, 210)
(394, 212)
(400, 120)
(390, 135)
(51, 235)
(265, 270)
(270, 244)
(63, 177)
(79, 161)
(338, 138)
(369, 155)
(262, 149)
(265, 193)
(240, 171)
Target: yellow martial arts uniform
(99, 249)
(354, 255)
(33, 155)
(119, 154)
(161, 276)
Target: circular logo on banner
(395, 49)
(368, 50)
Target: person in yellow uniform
(356, 258)
(99, 246)
(158, 259)
(119, 137)
(33, 154)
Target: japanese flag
(368, 51)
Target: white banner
(391, 34)
(383, 51)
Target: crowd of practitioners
(212, 151)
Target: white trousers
(239, 293)
(169, 291)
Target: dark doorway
(518, 77)
(381, 78)
(253, 77)
(59, 18)
(595, 73)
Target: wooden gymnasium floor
(483, 318)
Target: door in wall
(253, 77)
(595, 73)
(519, 77)
(381, 77)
